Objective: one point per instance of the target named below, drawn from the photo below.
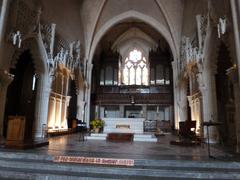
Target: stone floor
(152, 160)
(71, 145)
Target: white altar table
(123, 125)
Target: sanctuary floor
(161, 150)
(70, 145)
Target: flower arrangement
(97, 123)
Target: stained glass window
(135, 69)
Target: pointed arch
(135, 15)
(36, 48)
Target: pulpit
(16, 129)
(17, 138)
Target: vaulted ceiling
(128, 35)
(162, 15)
(90, 21)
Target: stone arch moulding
(34, 44)
(169, 23)
(134, 33)
(138, 45)
(136, 15)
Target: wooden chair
(187, 129)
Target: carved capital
(5, 77)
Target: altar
(123, 125)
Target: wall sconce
(105, 113)
(222, 26)
(16, 38)
(132, 100)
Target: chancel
(132, 78)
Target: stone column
(60, 108)
(65, 102)
(175, 93)
(88, 94)
(236, 29)
(144, 111)
(4, 11)
(171, 115)
(88, 106)
(42, 100)
(5, 79)
(80, 109)
(237, 114)
(64, 117)
(209, 98)
(235, 7)
(233, 76)
(182, 102)
(5, 50)
(97, 111)
(121, 109)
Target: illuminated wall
(59, 100)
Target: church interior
(105, 75)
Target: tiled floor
(70, 145)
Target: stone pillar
(171, 115)
(61, 103)
(88, 106)
(237, 114)
(64, 116)
(65, 102)
(5, 49)
(42, 100)
(4, 11)
(175, 94)
(235, 7)
(166, 113)
(233, 76)
(144, 111)
(80, 101)
(121, 109)
(182, 102)
(236, 29)
(209, 98)
(97, 111)
(5, 79)
(88, 94)
(80, 109)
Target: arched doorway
(21, 94)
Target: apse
(132, 74)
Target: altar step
(97, 136)
(144, 138)
(137, 137)
(14, 165)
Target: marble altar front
(123, 125)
